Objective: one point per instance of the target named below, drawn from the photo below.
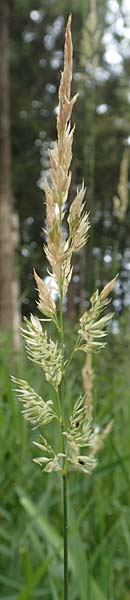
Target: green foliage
(31, 551)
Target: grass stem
(65, 523)
(65, 536)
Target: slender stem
(65, 526)
(65, 537)
(72, 353)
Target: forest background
(31, 58)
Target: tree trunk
(6, 246)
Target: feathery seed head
(59, 254)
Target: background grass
(31, 549)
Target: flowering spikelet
(46, 304)
(65, 102)
(82, 435)
(108, 289)
(44, 353)
(35, 409)
(51, 462)
(78, 222)
(92, 326)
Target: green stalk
(64, 472)
(65, 537)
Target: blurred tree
(6, 246)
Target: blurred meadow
(31, 60)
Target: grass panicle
(79, 439)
